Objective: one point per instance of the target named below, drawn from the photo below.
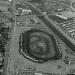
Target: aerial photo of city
(37, 37)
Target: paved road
(34, 9)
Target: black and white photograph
(37, 37)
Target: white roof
(26, 10)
